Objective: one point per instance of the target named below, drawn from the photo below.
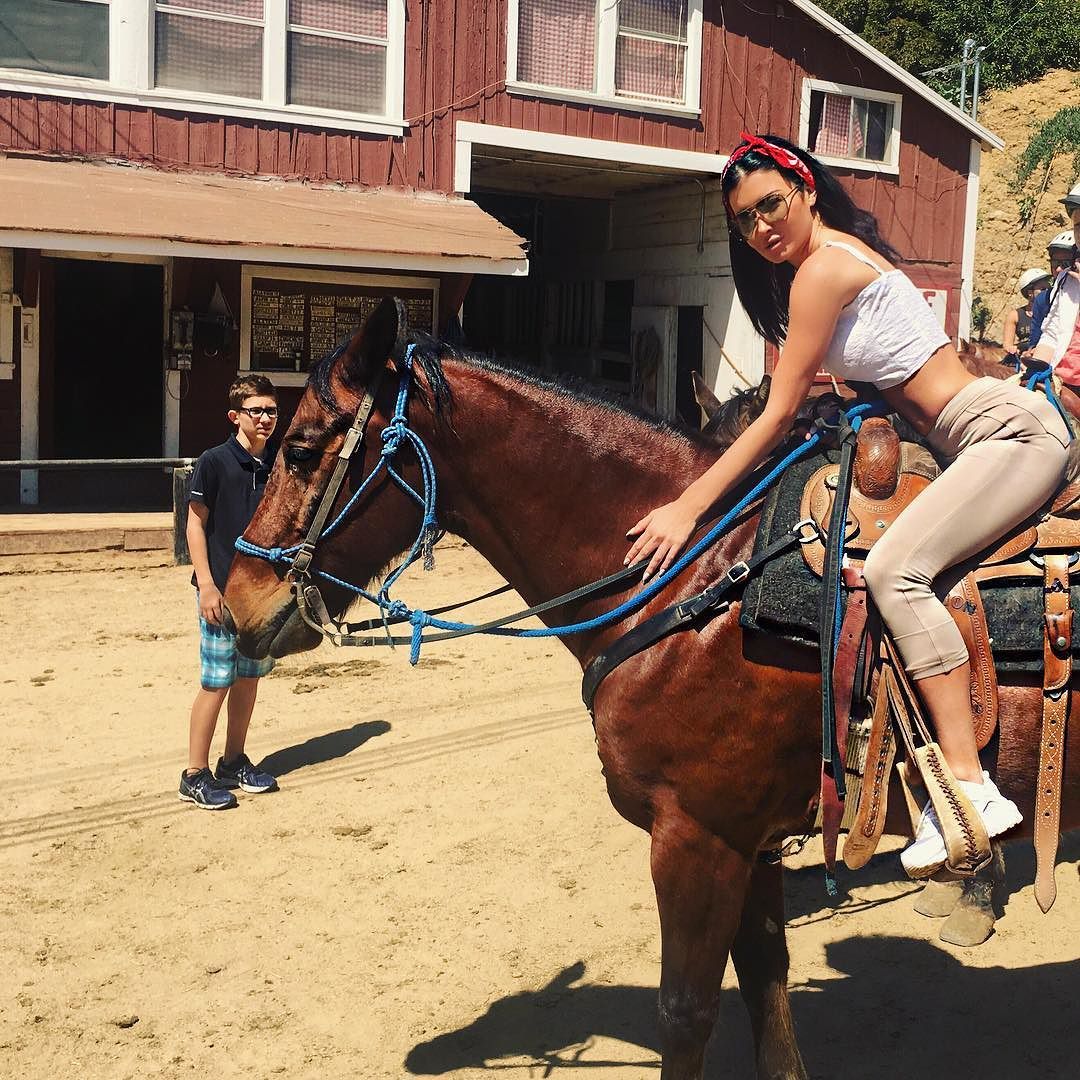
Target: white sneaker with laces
(927, 854)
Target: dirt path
(441, 888)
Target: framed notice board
(290, 318)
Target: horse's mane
(429, 353)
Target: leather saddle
(890, 474)
(887, 476)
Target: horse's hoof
(940, 895)
(997, 865)
(972, 920)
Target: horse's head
(982, 358)
(727, 420)
(383, 522)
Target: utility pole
(975, 83)
(965, 59)
(971, 57)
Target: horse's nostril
(227, 620)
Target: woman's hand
(661, 533)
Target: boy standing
(226, 487)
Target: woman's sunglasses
(773, 208)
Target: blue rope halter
(1045, 379)
(397, 433)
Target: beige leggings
(1007, 448)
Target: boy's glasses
(771, 209)
(257, 412)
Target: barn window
(557, 43)
(848, 125)
(650, 51)
(61, 37)
(337, 54)
(210, 46)
(642, 54)
(326, 63)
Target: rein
(312, 608)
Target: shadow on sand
(322, 748)
(895, 1008)
(916, 1009)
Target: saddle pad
(782, 599)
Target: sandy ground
(440, 888)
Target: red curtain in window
(557, 43)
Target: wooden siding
(752, 72)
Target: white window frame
(891, 164)
(131, 74)
(607, 30)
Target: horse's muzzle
(284, 634)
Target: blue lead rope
(397, 433)
(1045, 379)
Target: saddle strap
(843, 679)
(1057, 671)
(712, 601)
(833, 782)
(965, 605)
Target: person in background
(1059, 340)
(1063, 253)
(1018, 322)
(226, 487)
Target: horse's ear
(567, 977)
(709, 402)
(381, 337)
(763, 388)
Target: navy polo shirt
(229, 482)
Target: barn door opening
(103, 382)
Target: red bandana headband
(784, 158)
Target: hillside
(1004, 249)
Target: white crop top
(886, 333)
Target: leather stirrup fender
(1057, 672)
(862, 840)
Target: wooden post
(181, 489)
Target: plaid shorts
(222, 664)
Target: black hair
(764, 288)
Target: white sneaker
(927, 854)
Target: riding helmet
(1031, 277)
(1062, 242)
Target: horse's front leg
(761, 961)
(700, 883)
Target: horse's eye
(298, 455)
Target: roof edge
(985, 136)
(159, 246)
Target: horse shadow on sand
(322, 748)
(895, 1008)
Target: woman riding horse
(818, 280)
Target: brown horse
(709, 740)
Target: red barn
(196, 187)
